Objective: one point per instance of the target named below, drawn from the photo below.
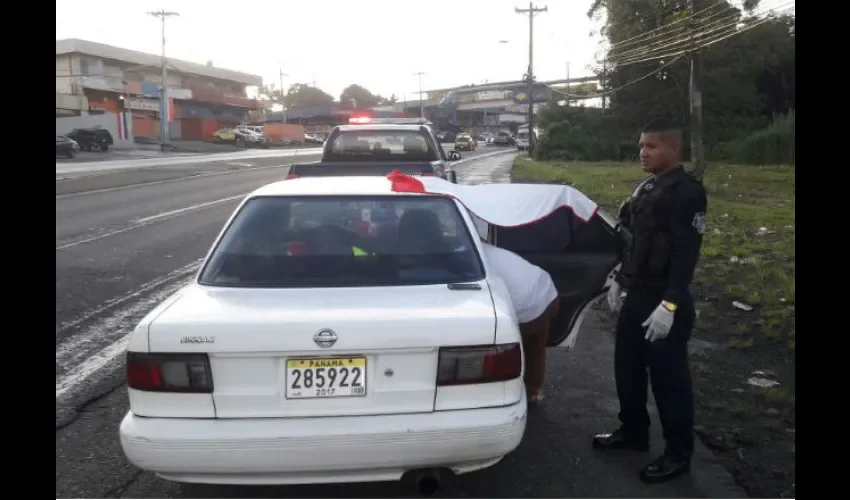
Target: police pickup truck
(378, 146)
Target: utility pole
(604, 75)
(421, 102)
(697, 151)
(163, 97)
(282, 93)
(531, 10)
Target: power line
(678, 38)
(731, 22)
(669, 28)
(676, 56)
(609, 92)
(705, 43)
(658, 12)
(649, 34)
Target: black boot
(618, 440)
(664, 468)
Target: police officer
(662, 225)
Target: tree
(747, 78)
(269, 92)
(355, 96)
(301, 95)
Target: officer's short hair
(669, 129)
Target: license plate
(311, 378)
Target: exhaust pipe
(426, 481)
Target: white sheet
(507, 205)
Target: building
(95, 78)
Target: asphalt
(76, 182)
(119, 251)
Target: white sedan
(350, 329)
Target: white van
(523, 139)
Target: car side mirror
(454, 156)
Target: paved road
(120, 251)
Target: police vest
(647, 252)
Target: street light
(163, 99)
(421, 102)
(282, 99)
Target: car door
(580, 256)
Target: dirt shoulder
(743, 347)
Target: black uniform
(664, 222)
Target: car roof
(318, 186)
(381, 126)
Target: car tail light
(169, 372)
(291, 176)
(479, 365)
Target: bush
(773, 145)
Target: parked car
(66, 146)
(91, 139)
(240, 137)
(313, 138)
(320, 344)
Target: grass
(748, 257)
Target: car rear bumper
(320, 450)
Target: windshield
(394, 145)
(297, 242)
(522, 135)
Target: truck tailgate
(358, 168)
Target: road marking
(165, 181)
(150, 285)
(97, 166)
(481, 157)
(147, 221)
(172, 213)
(92, 365)
(122, 323)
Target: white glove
(658, 324)
(614, 300)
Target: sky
(378, 44)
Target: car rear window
(298, 242)
(363, 145)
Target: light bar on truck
(365, 120)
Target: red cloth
(402, 183)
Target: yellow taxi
(464, 142)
